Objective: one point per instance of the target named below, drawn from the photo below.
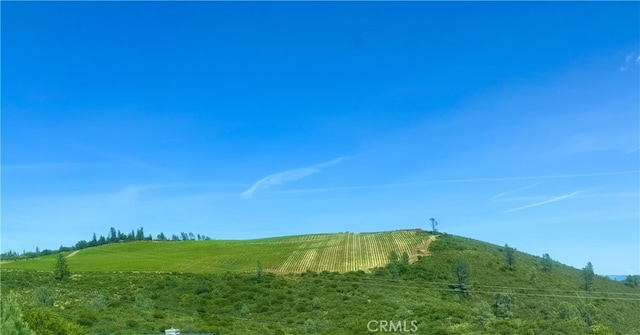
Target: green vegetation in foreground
(331, 252)
(496, 300)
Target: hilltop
(199, 292)
(340, 252)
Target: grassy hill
(224, 298)
(340, 252)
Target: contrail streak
(515, 191)
(452, 181)
(290, 175)
(548, 201)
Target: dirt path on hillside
(72, 254)
(422, 249)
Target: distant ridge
(617, 277)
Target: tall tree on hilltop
(510, 257)
(94, 241)
(587, 277)
(140, 234)
(547, 263)
(434, 225)
(112, 236)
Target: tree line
(114, 236)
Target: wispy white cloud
(629, 59)
(515, 191)
(285, 176)
(633, 194)
(461, 181)
(598, 142)
(548, 201)
(631, 151)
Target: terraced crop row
(347, 252)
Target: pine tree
(587, 277)
(547, 263)
(62, 269)
(112, 236)
(259, 275)
(509, 254)
(140, 234)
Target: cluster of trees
(632, 281)
(397, 265)
(114, 236)
(461, 271)
(182, 237)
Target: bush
(483, 313)
(13, 321)
(503, 307)
(158, 314)
(44, 296)
(45, 322)
(309, 327)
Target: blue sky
(509, 122)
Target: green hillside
(226, 299)
(320, 252)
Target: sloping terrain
(340, 252)
(523, 299)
